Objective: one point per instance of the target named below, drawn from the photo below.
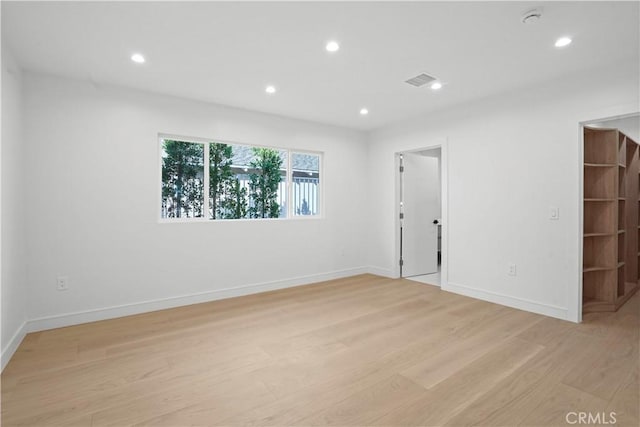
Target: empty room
(320, 213)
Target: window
(235, 181)
(305, 178)
(182, 179)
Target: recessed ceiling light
(364, 111)
(563, 41)
(270, 89)
(332, 46)
(436, 85)
(137, 58)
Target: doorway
(609, 256)
(420, 215)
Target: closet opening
(610, 213)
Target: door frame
(444, 201)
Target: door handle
(436, 222)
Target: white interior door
(420, 206)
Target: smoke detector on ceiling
(532, 16)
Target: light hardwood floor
(359, 351)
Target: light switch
(554, 213)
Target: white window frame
(288, 183)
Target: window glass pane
(182, 179)
(246, 182)
(227, 195)
(267, 186)
(306, 182)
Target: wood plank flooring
(358, 351)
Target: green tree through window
(264, 182)
(182, 186)
(235, 202)
(221, 177)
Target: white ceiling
(228, 52)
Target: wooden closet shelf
(599, 234)
(591, 305)
(596, 268)
(630, 288)
(607, 288)
(599, 165)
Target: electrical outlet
(512, 270)
(62, 283)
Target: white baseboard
(509, 301)
(378, 271)
(12, 346)
(70, 319)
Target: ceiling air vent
(421, 80)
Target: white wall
(92, 177)
(14, 272)
(510, 158)
(93, 181)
